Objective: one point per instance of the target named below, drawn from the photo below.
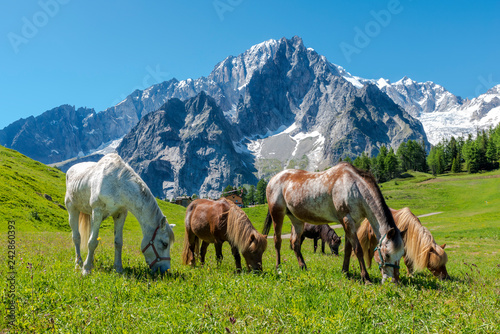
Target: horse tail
(185, 250)
(364, 236)
(84, 229)
(267, 224)
(187, 223)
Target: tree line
(453, 155)
(472, 154)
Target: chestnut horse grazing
(97, 190)
(323, 232)
(219, 221)
(421, 251)
(342, 194)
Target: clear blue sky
(94, 53)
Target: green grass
(52, 297)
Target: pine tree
(492, 155)
(250, 197)
(391, 164)
(473, 163)
(455, 166)
(381, 169)
(261, 192)
(403, 156)
(436, 160)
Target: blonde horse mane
(418, 239)
(240, 230)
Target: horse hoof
(119, 270)
(85, 272)
(367, 282)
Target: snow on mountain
(441, 113)
(479, 113)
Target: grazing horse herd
(343, 194)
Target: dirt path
(430, 214)
(287, 236)
(461, 179)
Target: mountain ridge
(277, 105)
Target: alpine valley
(278, 105)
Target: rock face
(63, 133)
(185, 148)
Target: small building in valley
(183, 200)
(236, 199)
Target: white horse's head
(388, 253)
(156, 247)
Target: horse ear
(403, 233)
(444, 245)
(252, 238)
(391, 233)
(163, 222)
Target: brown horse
(421, 251)
(219, 221)
(342, 194)
(323, 232)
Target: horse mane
(418, 239)
(240, 230)
(149, 203)
(367, 241)
(127, 174)
(370, 179)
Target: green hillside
(32, 194)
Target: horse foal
(216, 222)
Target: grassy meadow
(50, 296)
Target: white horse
(97, 190)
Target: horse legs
(295, 240)
(347, 255)
(237, 257)
(322, 246)
(73, 222)
(119, 220)
(203, 252)
(95, 223)
(315, 244)
(409, 266)
(277, 218)
(193, 241)
(352, 238)
(218, 252)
